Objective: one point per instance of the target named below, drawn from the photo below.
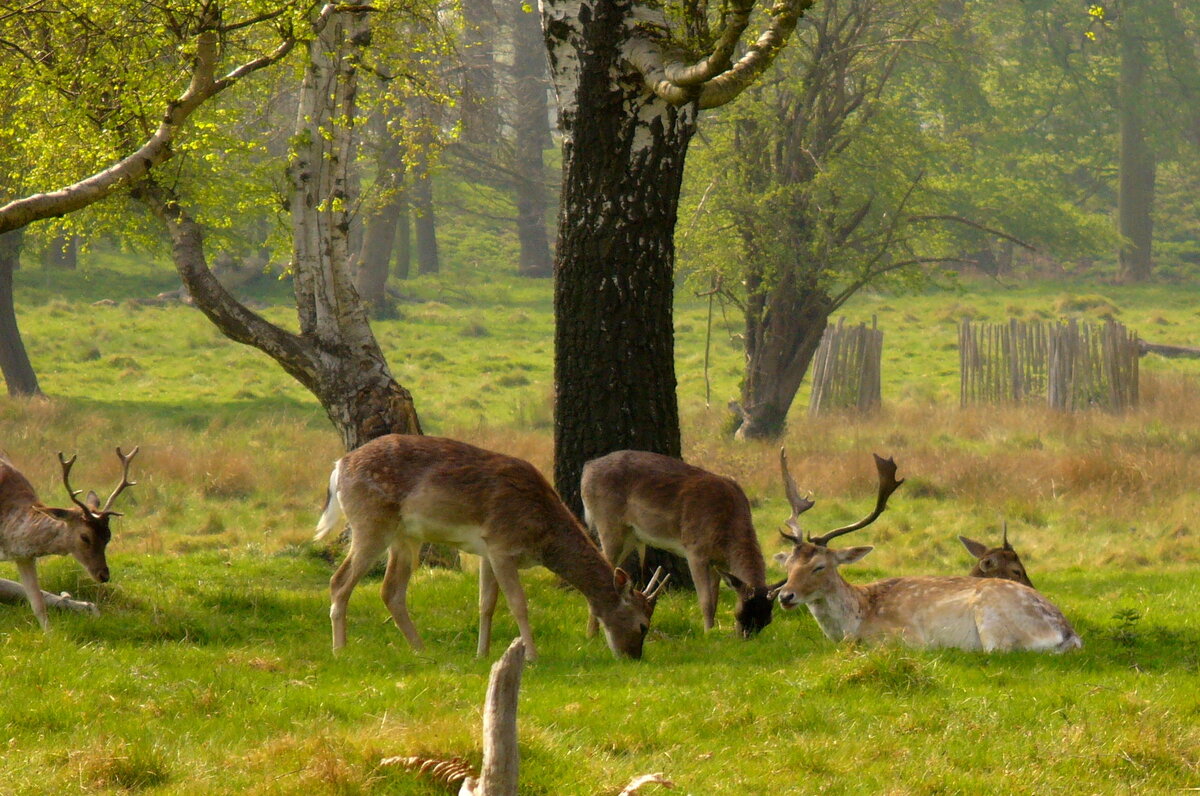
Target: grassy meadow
(209, 670)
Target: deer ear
(622, 582)
(734, 582)
(92, 501)
(781, 558)
(851, 554)
(973, 547)
(57, 514)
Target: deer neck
(29, 533)
(840, 610)
(574, 557)
(745, 561)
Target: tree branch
(157, 149)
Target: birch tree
(631, 78)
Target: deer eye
(818, 567)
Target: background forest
(274, 202)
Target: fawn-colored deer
(29, 529)
(633, 499)
(968, 613)
(996, 562)
(398, 491)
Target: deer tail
(332, 511)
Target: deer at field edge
(399, 491)
(29, 529)
(634, 499)
(968, 613)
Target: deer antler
(887, 485)
(652, 591)
(66, 476)
(1004, 522)
(125, 460)
(799, 504)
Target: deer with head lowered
(29, 529)
(996, 562)
(635, 499)
(399, 491)
(968, 613)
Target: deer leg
(402, 558)
(706, 589)
(29, 579)
(360, 558)
(508, 576)
(489, 591)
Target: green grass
(209, 669)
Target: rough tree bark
(14, 362)
(628, 101)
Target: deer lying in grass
(633, 499)
(398, 491)
(968, 613)
(996, 562)
(29, 529)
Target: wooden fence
(1069, 365)
(846, 369)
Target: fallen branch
(14, 593)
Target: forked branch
(716, 78)
(887, 485)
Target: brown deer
(30, 529)
(398, 491)
(996, 562)
(632, 499)
(968, 613)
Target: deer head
(626, 625)
(996, 562)
(811, 565)
(752, 612)
(88, 533)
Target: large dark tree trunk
(614, 341)
(14, 362)
(783, 330)
(531, 127)
(1135, 192)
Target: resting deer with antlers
(968, 613)
(635, 499)
(29, 529)
(996, 562)
(399, 491)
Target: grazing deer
(968, 613)
(996, 562)
(398, 491)
(632, 499)
(30, 529)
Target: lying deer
(968, 613)
(399, 491)
(996, 562)
(30, 529)
(632, 499)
